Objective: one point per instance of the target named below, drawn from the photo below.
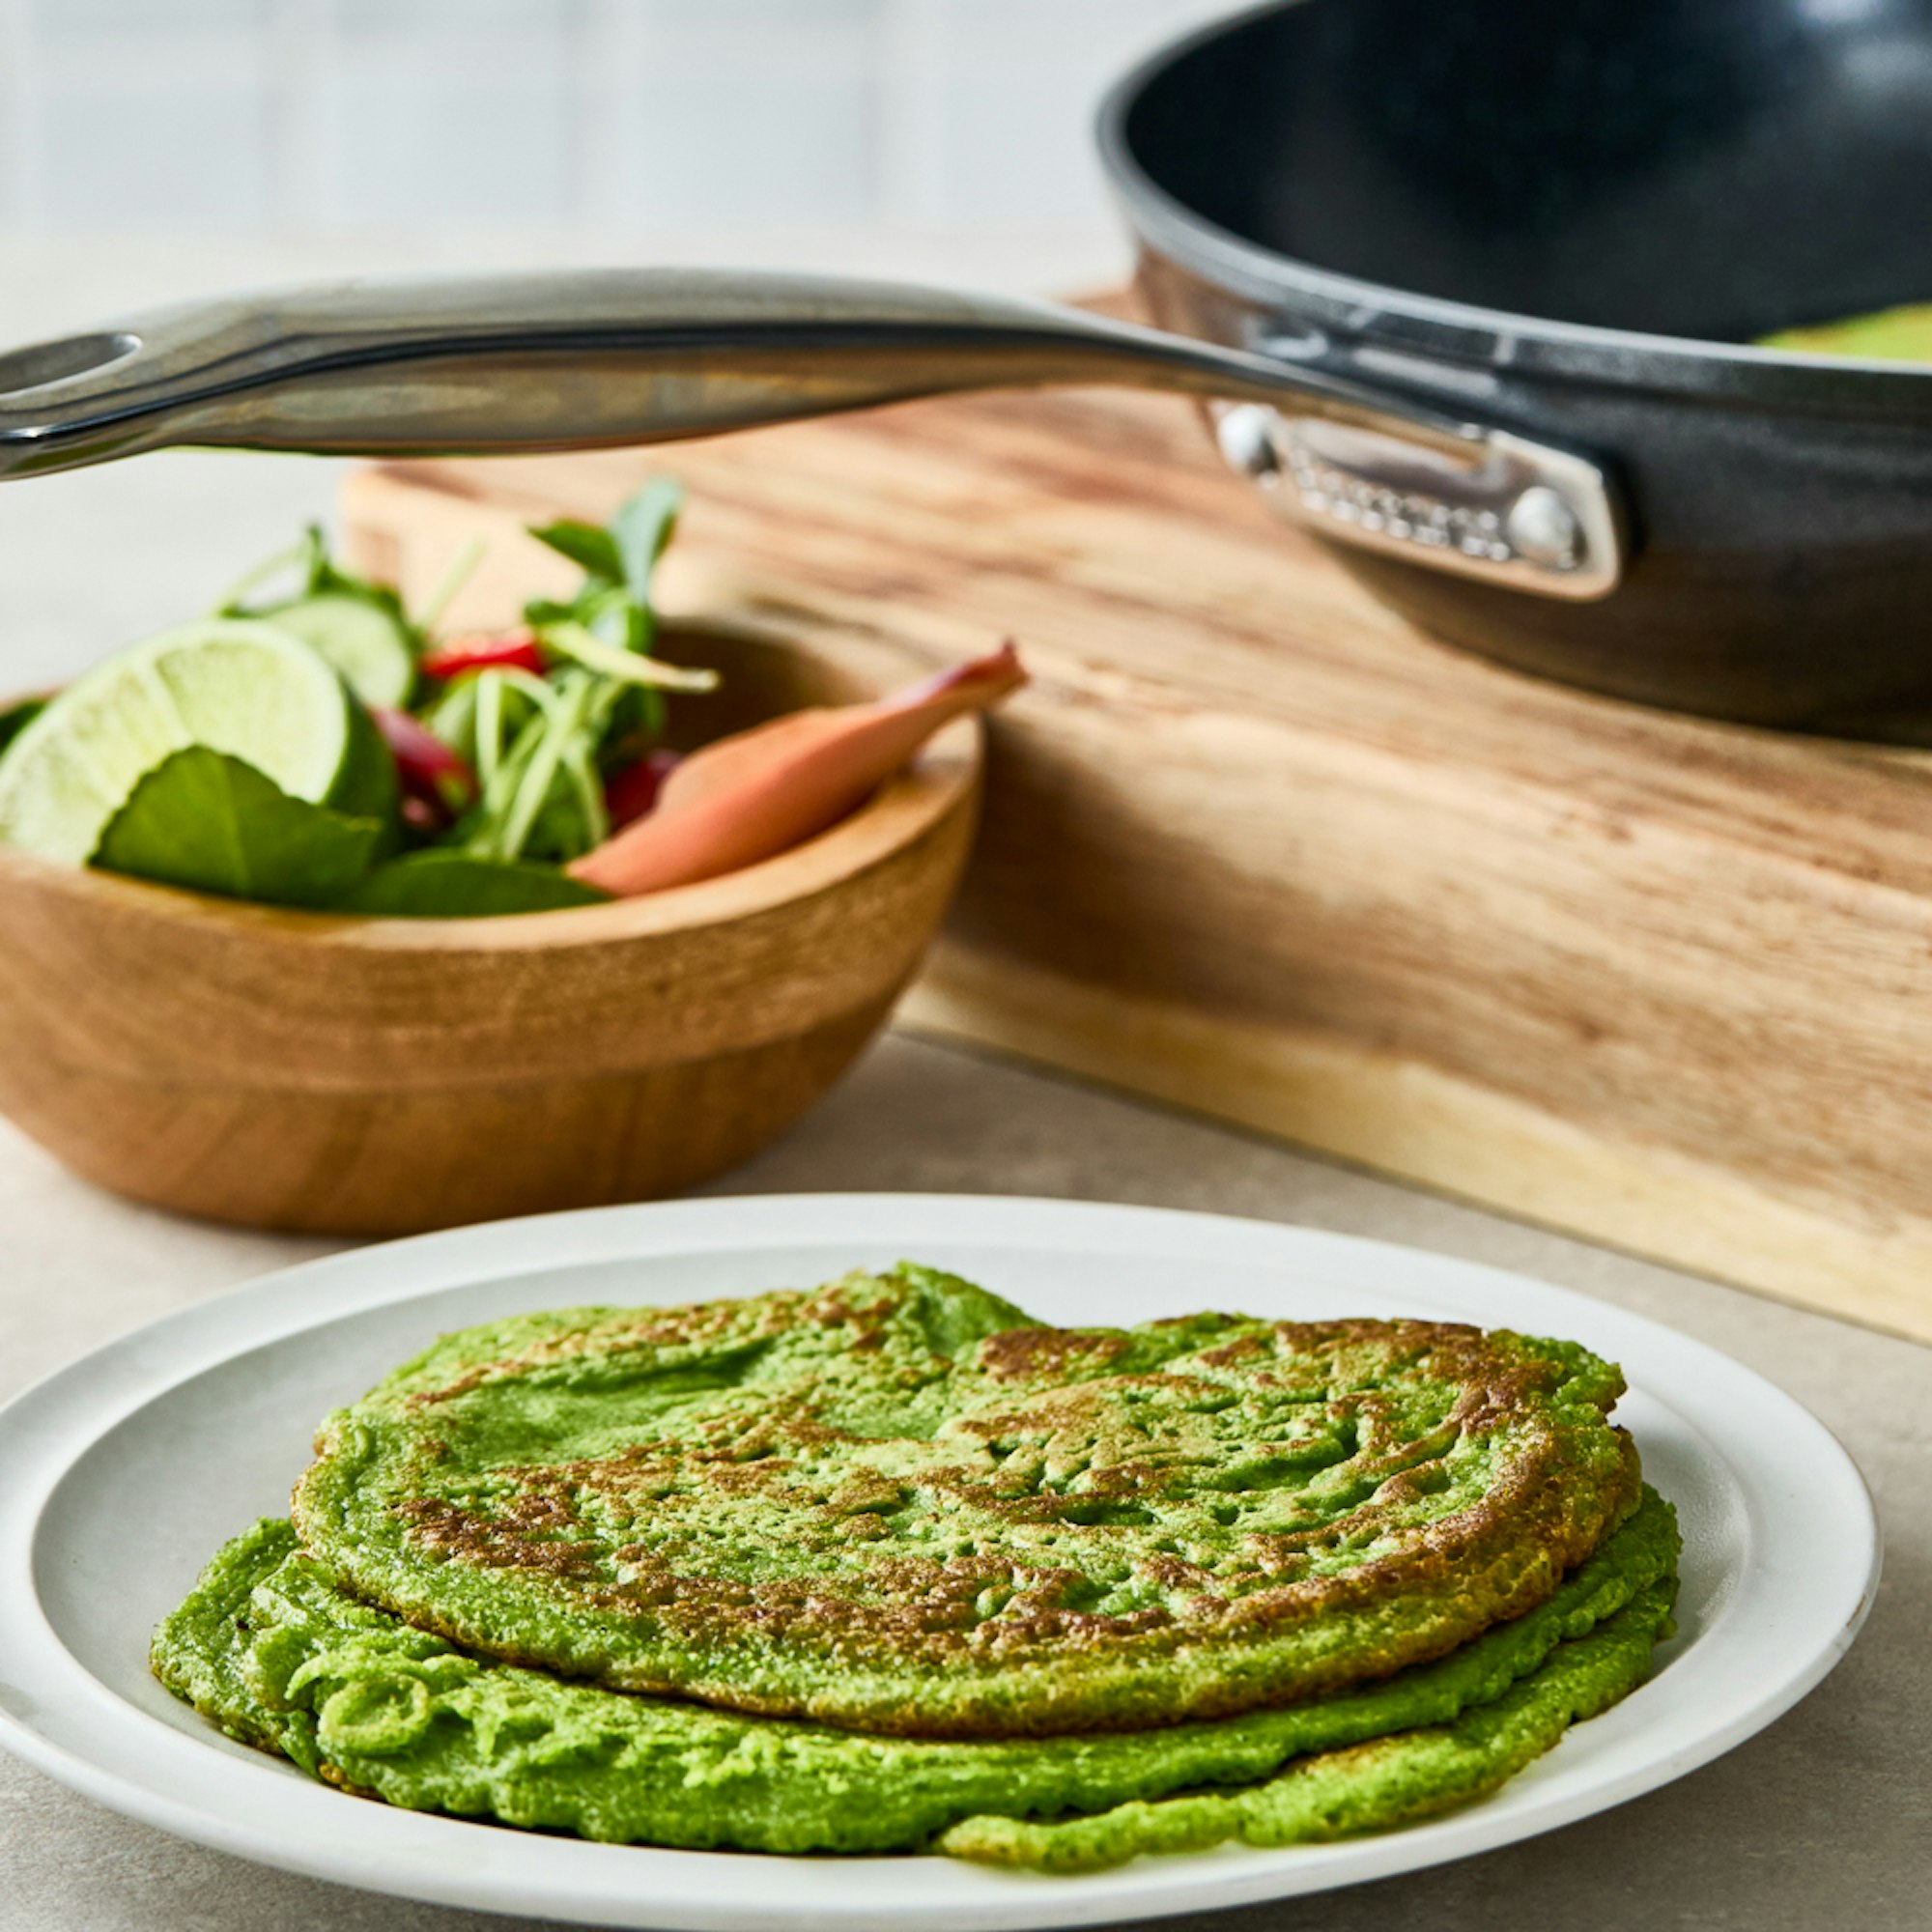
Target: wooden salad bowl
(315, 1073)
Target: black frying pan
(1567, 220)
(1351, 215)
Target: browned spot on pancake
(695, 1325)
(1034, 1352)
(522, 1534)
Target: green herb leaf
(543, 777)
(643, 530)
(542, 611)
(214, 824)
(454, 885)
(586, 546)
(610, 611)
(17, 717)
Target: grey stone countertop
(1818, 1824)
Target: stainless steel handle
(492, 365)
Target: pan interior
(1707, 168)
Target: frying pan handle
(492, 365)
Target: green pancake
(273, 1648)
(1398, 1779)
(895, 1504)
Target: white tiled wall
(352, 116)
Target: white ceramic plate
(120, 1475)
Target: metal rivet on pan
(1544, 528)
(1247, 439)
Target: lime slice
(360, 639)
(237, 686)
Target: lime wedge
(236, 686)
(360, 639)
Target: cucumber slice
(366, 643)
(237, 686)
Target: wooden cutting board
(1255, 846)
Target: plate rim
(91, 1394)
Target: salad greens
(544, 744)
(441, 884)
(211, 822)
(508, 750)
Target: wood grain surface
(1255, 846)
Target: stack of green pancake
(887, 1565)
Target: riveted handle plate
(1518, 513)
